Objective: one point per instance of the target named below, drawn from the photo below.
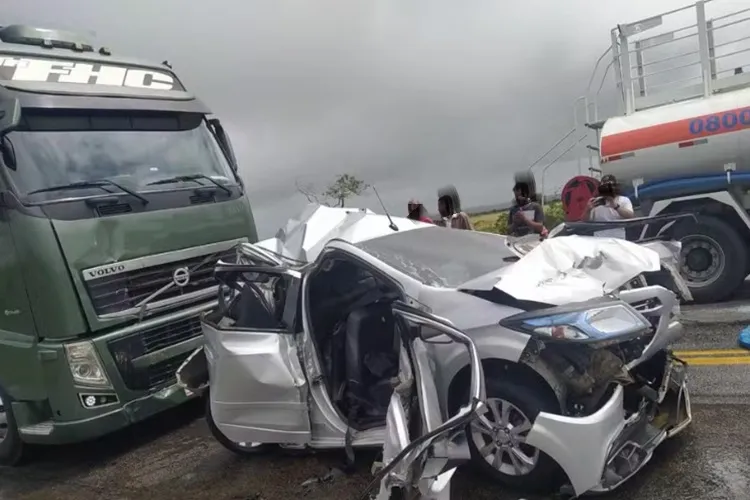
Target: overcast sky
(408, 95)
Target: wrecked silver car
(351, 329)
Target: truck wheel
(497, 440)
(711, 259)
(242, 449)
(11, 446)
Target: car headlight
(85, 365)
(585, 324)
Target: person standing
(449, 206)
(526, 216)
(610, 205)
(416, 211)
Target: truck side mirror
(224, 141)
(10, 114)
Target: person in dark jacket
(418, 212)
(449, 206)
(526, 216)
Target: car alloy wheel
(500, 436)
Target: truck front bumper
(64, 432)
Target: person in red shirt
(418, 212)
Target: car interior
(259, 302)
(357, 338)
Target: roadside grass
(497, 222)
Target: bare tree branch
(344, 187)
(308, 191)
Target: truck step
(40, 429)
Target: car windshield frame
(441, 257)
(132, 148)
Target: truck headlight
(85, 365)
(588, 324)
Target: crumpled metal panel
(258, 388)
(303, 237)
(575, 268)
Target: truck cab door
(258, 389)
(420, 457)
(15, 310)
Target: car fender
(492, 342)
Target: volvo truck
(682, 140)
(119, 192)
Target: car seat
(252, 310)
(371, 360)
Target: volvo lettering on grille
(131, 287)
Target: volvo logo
(181, 276)
(104, 271)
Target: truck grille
(162, 374)
(124, 350)
(121, 292)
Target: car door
(258, 389)
(420, 458)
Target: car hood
(303, 237)
(570, 269)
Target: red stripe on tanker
(676, 131)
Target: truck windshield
(135, 150)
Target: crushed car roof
(556, 271)
(303, 237)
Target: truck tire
(11, 445)
(713, 258)
(241, 449)
(526, 402)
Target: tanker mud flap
(192, 375)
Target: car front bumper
(601, 451)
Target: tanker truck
(119, 192)
(682, 140)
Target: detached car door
(424, 446)
(258, 389)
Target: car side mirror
(10, 114)
(432, 336)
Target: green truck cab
(118, 194)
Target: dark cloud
(406, 95)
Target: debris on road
(329, 477)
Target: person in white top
(610, 205)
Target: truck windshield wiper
(188, 178)
(90, 184)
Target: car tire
(711, 241)
(11, 445)
(528, 400)
(237, 448)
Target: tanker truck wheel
(712, 255)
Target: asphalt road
(173, 455)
